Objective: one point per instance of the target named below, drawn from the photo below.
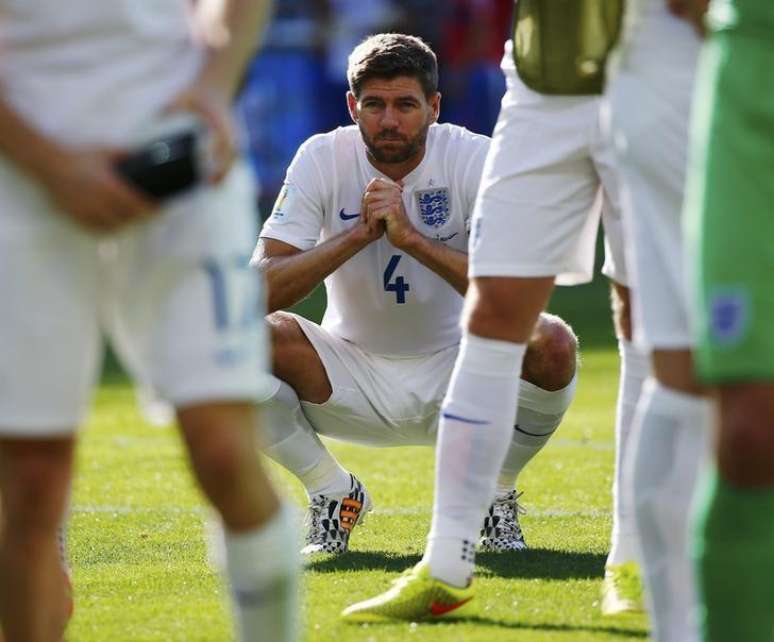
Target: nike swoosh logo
(441, 609)
(443, 239)
(346, 217)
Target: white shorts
(174, 295)
(650, 103)
(547, 179)
(382, 400)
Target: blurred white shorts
(174, 295)
(548, 179)
(650, 97)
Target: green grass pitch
(140, 562)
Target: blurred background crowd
(297, 83)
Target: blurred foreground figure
(728, 221)
(84, 255)
(650, 95)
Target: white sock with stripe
(539, 414)
(477, 420)
(262, 568)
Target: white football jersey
(382, 299)
(86, 71)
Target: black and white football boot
(502, 531)
(330, 519)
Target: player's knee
(35, 492)
(288, 343)
(552, 354)
(746, 443)
(217, 457)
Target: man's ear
(435, 105)
(352, 106)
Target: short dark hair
(389, 55)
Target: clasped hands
(382, 212)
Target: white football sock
(538, 416)
(263, 567)
(477, 419)
(673, 443)
(635, 366)
(292, 442)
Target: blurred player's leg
(621, 590)
(546, 390)
(477, 417)
(261, 564)
(728, 215)
(671, 448)
(49, 364)
(671, 415)
(735, 526)
(188, 317)
(34, 481)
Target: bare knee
(552, 354)
(621, 305)
(674, 369)
(295, 360)
(220, 440)
(288, 343)
(505, 308)
(35, 482)
(746, 439)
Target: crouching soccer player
(380, 210)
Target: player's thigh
(375, 400)
(505, 308)
(534, 214)
(188, 309)
(651, 114)
(49, 336)
(729, 210)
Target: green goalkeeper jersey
(730, 192)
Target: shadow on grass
(533, 563)
(362, 561)
(542, 563)
(525, 626)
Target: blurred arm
(231, 30)
(80, 181)
(34, 153)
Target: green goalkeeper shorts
(730, 198)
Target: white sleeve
(471, 175)
(297, 216)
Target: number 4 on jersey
(399, 285)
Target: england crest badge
(433, 206)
